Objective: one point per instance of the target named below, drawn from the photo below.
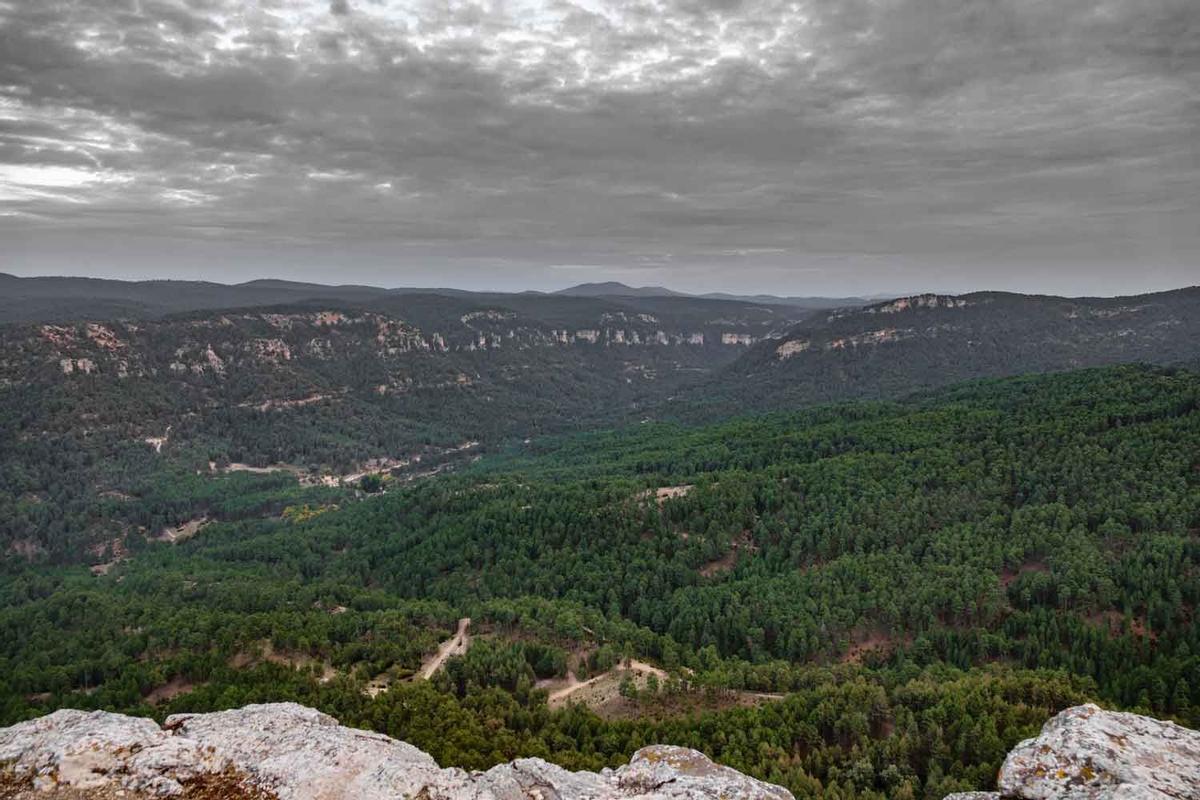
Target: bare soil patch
(170, 690)
(666, 493)
(181, 532)
(1114, 622)
(115, 548)
(26, 548)
(722, 564)
(1008, 575)
(729, 560)
(864, 643)
(601, 693)
(665, 706)
(266, 651)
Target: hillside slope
(327, 391)
(889, 349)
(898, 592)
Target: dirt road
(456, 645)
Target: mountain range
(615, 289)
(49, 299)
(504, 525)
(346, 381)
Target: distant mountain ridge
(64, 299)
(60, 299)
(616, 289)
(889, 349)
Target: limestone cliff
(290, 752)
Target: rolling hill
(896, 347)
(329, 391)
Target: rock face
(1086, 753)
(290, 752)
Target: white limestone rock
(295, 753)
(94, 750)
(663, 771)
(1087, 753)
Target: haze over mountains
(63, 298)
(615, 289)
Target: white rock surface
(85, 751)
(296, 753)
(1087, 753)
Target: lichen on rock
(1087, 753)
(290, 752)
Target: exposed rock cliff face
(1086, 753)
(290, 752)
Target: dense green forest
(868, 600)
(94, 414)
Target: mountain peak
(618, 289)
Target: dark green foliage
(418, 381)
(926, 580)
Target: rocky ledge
(1087, 753)
(290, 752)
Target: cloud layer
(823, 144)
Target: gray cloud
(856, 145)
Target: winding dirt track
(456, 645)
(559, 696)
(573, 685)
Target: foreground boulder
(290, 752)
(1087, 753)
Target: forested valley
(864, 600)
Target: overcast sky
(801, 147)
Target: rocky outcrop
(290, 752)
(1087, 753)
